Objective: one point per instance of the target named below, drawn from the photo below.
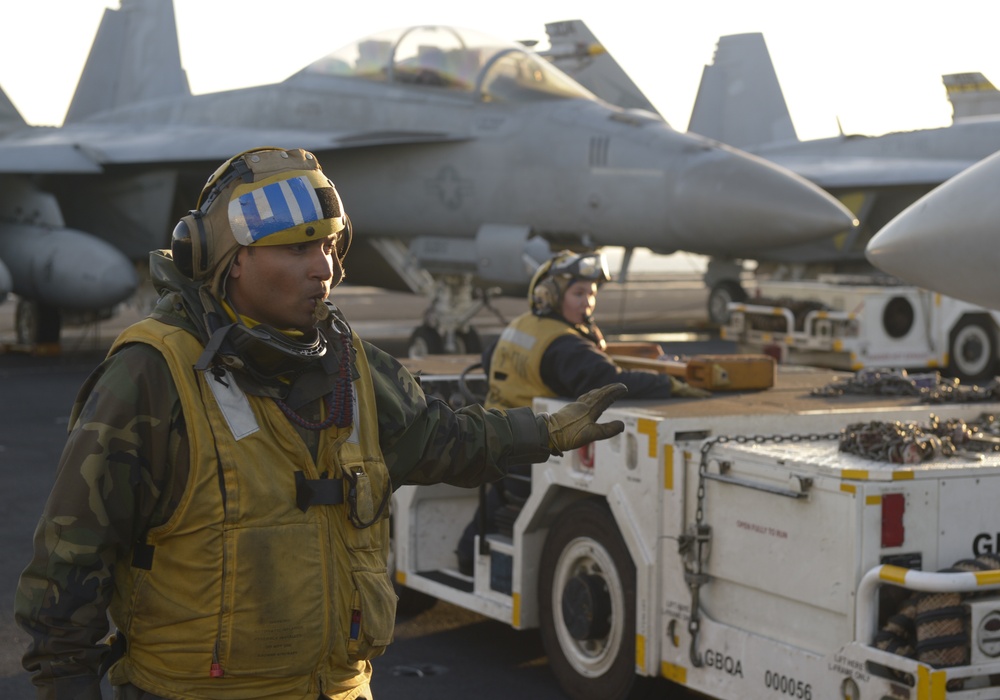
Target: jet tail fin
(739, 101)
(575, 50)
(135, 57)
(9, 116)
(971, 95)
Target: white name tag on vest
(234, 404)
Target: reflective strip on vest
(233, 402)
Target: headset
(199, 234)
(545, 291)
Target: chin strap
(214, 344)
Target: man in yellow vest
(555, 349)
(223, 494)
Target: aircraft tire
(720, 296)
(469, 342)
(972, 349)
(424, 341)
(586, 600)
(36, 323)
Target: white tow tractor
(731, 546)
(857, 322)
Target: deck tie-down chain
(911, 443)
(929, 387)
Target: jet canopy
(448, 58)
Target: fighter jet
(740, 102)
(463, 161)
(947, 240)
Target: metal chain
(959, 394)
(929, 387)
(911, 443)
(697, 545)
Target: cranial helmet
(554, 276)
(264, 196)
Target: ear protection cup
(344, 239)
(544, 292)
(189, 245)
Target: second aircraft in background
(463, 161)
(740, 102)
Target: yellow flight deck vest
(515, 368)
(245, 594)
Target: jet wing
(88, 149)
(45, 155)
(839, 173)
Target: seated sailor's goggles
(591, 267)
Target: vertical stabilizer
(739, 101)
(971, 95)
(9, 116)
(135, 57)
(575, 50)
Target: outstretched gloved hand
(575, 425)
(683, 390)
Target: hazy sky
(876, 65)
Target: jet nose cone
(946, 241)
(742, 204)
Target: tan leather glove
(683, 390)
(575, 425)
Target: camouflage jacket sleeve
(424, 441)
(121, 455)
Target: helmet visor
(280, 209)
(592, 267)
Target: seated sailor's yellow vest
(245, 594)
(515, 368)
